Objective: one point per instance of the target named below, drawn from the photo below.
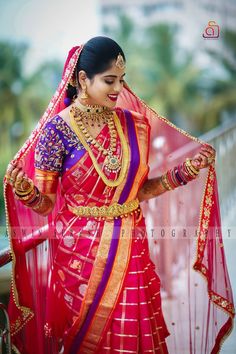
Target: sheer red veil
(184, 228)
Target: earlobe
(82, 77)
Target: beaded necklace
(112, 162)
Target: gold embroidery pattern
(221, 302)
(70, 137)
(113, 288)
(49, 150)
(205, 213)
(95, 277)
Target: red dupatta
(200, 307)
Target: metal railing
(223, 138)
(5, 335)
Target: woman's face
(104, 88)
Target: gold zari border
(110, 297)
(205, 213)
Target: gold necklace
(124, 145)
(112, 162)
(92, 114)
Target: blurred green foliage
(165, 75)
(158, 70)
(23, 99)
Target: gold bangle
(165, 183)
(190, 172)
(189, 164)
(27, 197)
(21, 193)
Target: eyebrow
(113, 75)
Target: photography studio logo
(212, 30)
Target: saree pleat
(138, 325)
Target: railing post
(5, 335)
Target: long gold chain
(125, 151)
(112, 162)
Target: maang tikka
(120, 63)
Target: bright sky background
(51, 27)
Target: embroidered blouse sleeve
(50, 150)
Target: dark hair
(96, 57)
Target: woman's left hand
(204, 158)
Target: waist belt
(112, 211)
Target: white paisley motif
(59, 226)
(82, 289)
(91, 225)
(69, 241)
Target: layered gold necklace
(79, 114)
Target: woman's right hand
(16, 176)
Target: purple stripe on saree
(135, 158)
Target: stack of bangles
(30, 197)
(179, 175)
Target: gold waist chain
(112, 211)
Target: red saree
(90, 286)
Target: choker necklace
(111, 163)
(90, 108)
(93, 114)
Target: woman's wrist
(179, 175)
(35, 200)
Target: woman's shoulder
(59, 120)
(59, 123)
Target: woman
(83, 281)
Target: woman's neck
(87, 107)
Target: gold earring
(84, 95)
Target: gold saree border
(141, 130)
(26, 314)
(113, 289)
(205, 213)
(143, 146)
(94, 280)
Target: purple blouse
(58, 147)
